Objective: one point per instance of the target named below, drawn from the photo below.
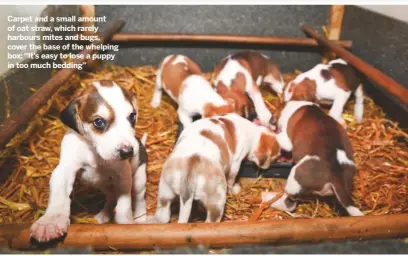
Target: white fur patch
(354, 211)
(359, 105)
(196, 94)
(343, 159)
(280, 203)
(179, 59)
(259, 80)
(338, 61)
(229, 72)
(276, 85)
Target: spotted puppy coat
(206, 160)
(323, 155)
(181, 78)
(333, 83)
(240, 74)
(101, 148)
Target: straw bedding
(380, 184)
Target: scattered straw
(380, 146)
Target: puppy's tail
(144, 139)
(359, 105)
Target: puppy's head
(105, 115)
(304, 91)
(266, 151)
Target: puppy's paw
(103, 217)
(151, 220)
(50, 226)
(140, 219)
(124, 219)
(236, 189)
(281, 204)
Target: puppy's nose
(125, 152)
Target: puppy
(180, 78)
(101, 143)
(334, 82)
(323, 155)
(207, 169)
(242, 73)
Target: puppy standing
(333, 82)
(101, 142)
(242, 73)
(207, 169)
(180, 78)
(323, 155)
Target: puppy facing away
(242, 73)
(101, 143)
(323, 155)
(206, 160)
(181, 78)
(333, 82)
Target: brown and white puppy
(333, 82)
(242, 73)
(206, 160)
(101, 143)
(323, 155)
(180, 78)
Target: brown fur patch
(305, 90)
(106, 83)
(229, 134)
(174, 75)
(345, 76)
(87, 106)
(325, 74)
(211, 110)
(268, 148)
(217, 140)
(215, 121)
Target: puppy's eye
(132, 118)
(99, 123)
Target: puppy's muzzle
(126, 152)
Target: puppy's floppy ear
(69, 116)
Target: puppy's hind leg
(215, 206)
(164, 199)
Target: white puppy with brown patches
(334, 83)
(101, 143)
(181, 78)
(323, 154)
(207, 169)
(242, 73)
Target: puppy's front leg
(54, 223)
(139, 192)
(233, 188)
(336, 110)
(261, 110)
(124, 196)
